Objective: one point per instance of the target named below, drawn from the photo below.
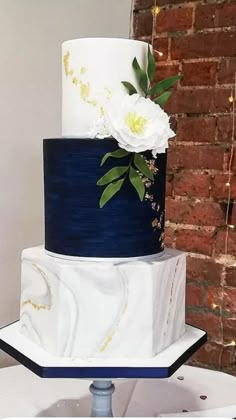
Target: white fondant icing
(92, 72)
(104, 309)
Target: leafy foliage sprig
(137, 168)
(116, 176)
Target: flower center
(136, 123)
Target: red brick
(195, 157)
(220, 190)
(143, 4)
(192, 185)
(209, 354)
(234, 160)
(197, 101)
(161, 45)
(143, 24)
(213, 44)
(199, 269)
(224, 127)
(189, 212)
(206, 321)
(229, 301)
(169, 185)
(214, 297)
(203, 73)
(169, 237)
(198, 129)
(215, 15)
(194, 241)
(230, 276)
(227, 70)
(220, 242)
(165, 71)
(194, 295)
(228, 358)
(174, 2)
(229, 329)
(171, 20)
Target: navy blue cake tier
(74, 223)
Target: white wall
(31, 34)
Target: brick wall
(198, 40)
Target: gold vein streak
(35, 305)
(106, 343)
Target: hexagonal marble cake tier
(103, 309)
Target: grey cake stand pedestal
(100, 371)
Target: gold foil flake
(36, 306)
(75, 81)
(154, 223)
(66, 60)
(83, 70)
(84, 88)
(154, 206)
(92, 102)
(161, 217)
(149, 197)
(152, 166)
(84, 91)
(162, 246)
(162, 237)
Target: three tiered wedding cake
(103, 285)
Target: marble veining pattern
(126, 309)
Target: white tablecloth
(23, 394)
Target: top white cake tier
(92, 72)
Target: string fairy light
(155, 10)
(232, 100)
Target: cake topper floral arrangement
(138, 123)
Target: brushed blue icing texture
(74, 223)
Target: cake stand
(100, 371)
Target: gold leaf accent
(75, 81)
(84, 91)
(66, 60)
(83, 70)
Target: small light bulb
(155, 10)
(231, 226)
(227, 184)
(231, 99)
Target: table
(23, 394)
(102, 371)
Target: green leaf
(141, 76)
(114, 173)
(151, 65)
(142, 166)
(162, 99)
(163, 85)
(131, 89)
(137, 182)
(119, 153)
(109, 191)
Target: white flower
(138, 124)
(99, 129)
